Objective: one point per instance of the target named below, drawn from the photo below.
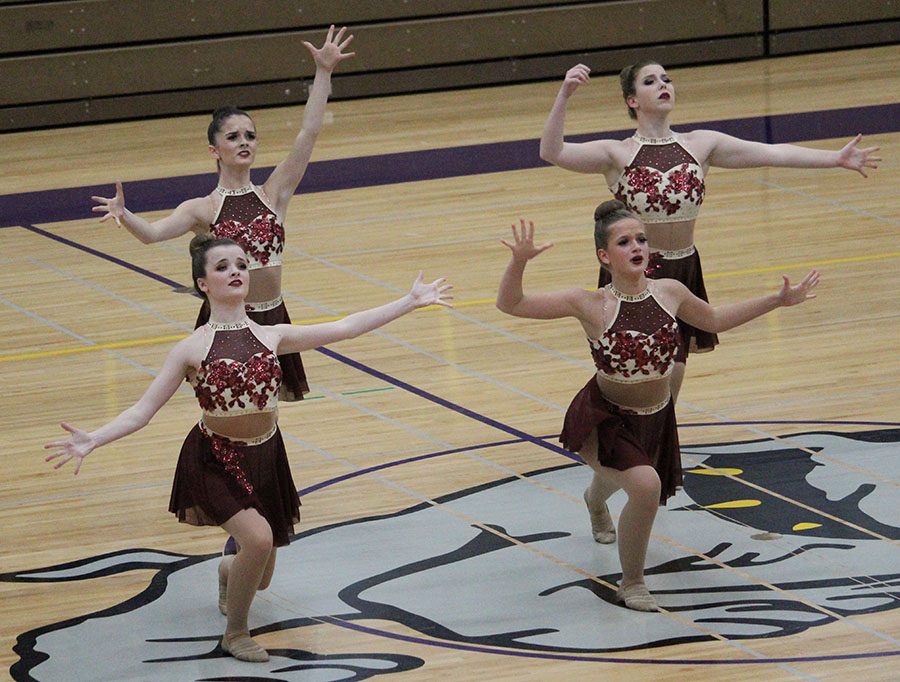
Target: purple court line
(74, 203)
(594, 659)
(483, 446)
(443, 402)
(105, 256)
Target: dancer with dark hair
(622, 423)
(252, 215)
(659, 175)
(233, 470)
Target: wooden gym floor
(443, 534)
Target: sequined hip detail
(652, 409)
(674, 254)
(229, 452)
(263, 305)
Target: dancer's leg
(245, 574)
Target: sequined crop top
(663, 183)
(640, 344)
(239, 374)
(246, 218)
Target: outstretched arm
(183, 219)
(512, 299)
(284, 180)
(732, 152)
(300, 338)
(81, 443)
(699, 313)
(587, 157)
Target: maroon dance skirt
(216, 478)
(686, 270)
(625, 439)
(293, 376)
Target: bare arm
(283, 181)
(512, 299)
(699, 313)
(187, 216)
(732, 152)
(81, 443)
(294, 339)
(587, 157)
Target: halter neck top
(247, 219)
(663, 182)
(641, 342)
(239, 374)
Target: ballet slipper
(244, 648)
(602, 527)
(637, 597)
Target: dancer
(660, 174)
(237, 209)
(622, 423)
(233, 470)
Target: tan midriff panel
(265, 284)
(244, 426)
(636, 394)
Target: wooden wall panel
(801, 14)
(496, 35)
(834, 38)
(368, 84)
(42, 26)
(81, 61)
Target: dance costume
(640, 345)
(216, 477)
(663, 183)
(245, 218)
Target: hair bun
(608, 207)
(198, 242)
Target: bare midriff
(265, 284)
(670, 236)
(640, 394)
(242, 426)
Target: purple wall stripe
(74, 203)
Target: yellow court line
(133, 343)
(808, 264)
(457, 304)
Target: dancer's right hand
(114, 207)
(522, 246)
(577, 75)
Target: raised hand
(798, 293)
(114, 207)
(332, 51)
(523, 248)
(431, 294)
(78, 446)
(852, 157)
(577, 75)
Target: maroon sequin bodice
(245, 218)
(640, 344)
(239, 374)
(663, 183)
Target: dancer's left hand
(435, 293)
(798, 293)
(852, 157)
(332, 51)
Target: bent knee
(259, 541)
(644, 484)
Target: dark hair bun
(199, 242)
(608, 207)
